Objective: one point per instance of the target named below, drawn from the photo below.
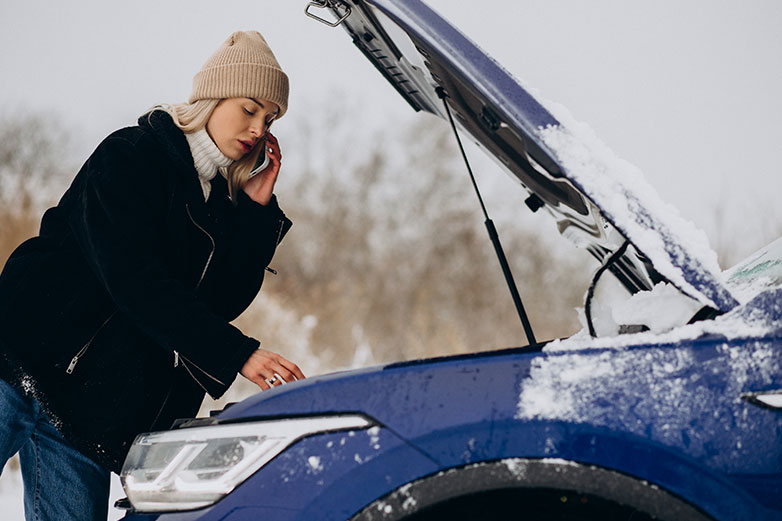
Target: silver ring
(270, 149)
(272, 380)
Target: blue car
(668, 405)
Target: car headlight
(194, 467)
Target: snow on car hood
(597, 200)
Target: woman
(115, 319)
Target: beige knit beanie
(243, 67)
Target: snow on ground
(12, 502)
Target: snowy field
(11, 504)
(11, 501)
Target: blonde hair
(192, 117)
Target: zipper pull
(271, 270)
(72, 365)
(279, 232)
(176, 358)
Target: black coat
(134, 277)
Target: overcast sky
(688, 90)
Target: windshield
(759, 272)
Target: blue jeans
(59, 482)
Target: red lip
(246, 145)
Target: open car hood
(597, 201)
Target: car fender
(524, 473)
(599, 455)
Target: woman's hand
(261, 186)
(264, 365)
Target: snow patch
(28, 385)
(516, 467)
(661, 309)
(315, 463)
(362, 354)
(409, 503)
(374, 437)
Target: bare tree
(32, 149)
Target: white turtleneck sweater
(207, 158)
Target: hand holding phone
(263, 176)
(263, 160)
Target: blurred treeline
(388, 258)
(32, 173)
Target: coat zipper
(185, 363)
(178, 357)
(193, 377)
(279, 233)
(279, 240)
(85, 347)
(211, 253)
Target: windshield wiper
(495, 239)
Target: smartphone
(262, 161)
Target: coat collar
(170, 137)
(172, 140)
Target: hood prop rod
(495, 238)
